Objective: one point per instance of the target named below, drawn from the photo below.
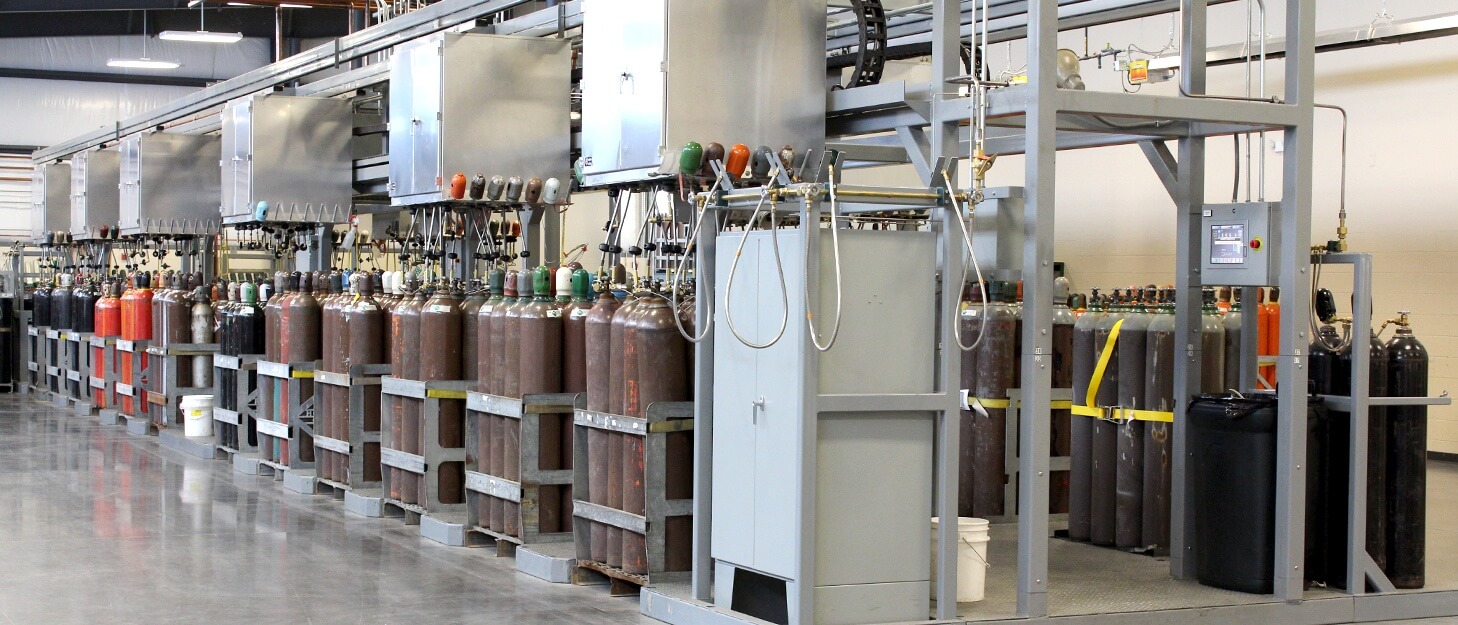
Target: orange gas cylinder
(108, 325)
(1269, 323)
(738, 160)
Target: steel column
(1034, 426)
(702, 576)
(946, 64)
(1295, 279)
(1189, 202)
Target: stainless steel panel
(95, 192)
(290, 152)
(657, 74)
(170, 184)
(477, 104)
(50, 199)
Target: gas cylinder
(475, 298)
(301, 321)
(1103, 496)
(1231, 322)
(540, 327)
(497, 382)
(995, 358)
(332, 402)
(108, 325)
(1212, 345)
(597, 330)
(1129, 471)
(136, 318)
(202, 332)
(662, 375)
(273, 317)
(1080, 470)
(84, 306)
(1159, 349)
(574, 332)
(618, 381)
(1270, 340)
(1407, 469)
(738, 159)
(458, 186)
(404, 363)
(365, 322)
(249, 326)
(485, 350)
(61, 304)
(1062, 377)
(1330, 373)
(1222, 300)
(41, 306)
(512, 347)
(441, 328)
(969, 320)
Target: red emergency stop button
(1255, 244)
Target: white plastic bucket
(972, 561)
(197, 415)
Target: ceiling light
(243, 4)
(200, 36)
(143, 63)
(286, 5)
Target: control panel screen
(1227, 244)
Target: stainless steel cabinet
(287, 159)
(659, 73)
(169, 184)
(95, 192)
(50, 199)
(477, 104)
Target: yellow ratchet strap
(1090, 408)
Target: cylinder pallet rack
(103, 379)
(244, 413)
(665, 522)
(361, 445)
(286, 424)
(55, 366)
(135, 389)
(518, 477)
(78, 375)
(164, 394)
(441, 505)
(35, 358)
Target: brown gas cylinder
(1062, 377)
(995, 360)
(471, 329)
(365, 324)
(511, 348)
(574, 333)
(540, 326)
(408, 313)
(332, 401)
(441, 328)
(273, 317)
(302, 320)
(485, 350)
(399, 327)
(661, 376)
(497, 382)
(597, 332)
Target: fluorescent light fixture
(200, 36)
(143, 63)
(243, 4)
(287, 5)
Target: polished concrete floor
(107, 528)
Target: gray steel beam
(1164, 165)
(1189, 203)
(942, 152)
(1399, 31)
(1034, 424)
(1295, 279)
(433, 18)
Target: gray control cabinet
(657, 74)
(169, 184)
(477, 104)
(95, 192)
(50, 200)
(287, 159)
(865, 477)
(1238, 245)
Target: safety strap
(981, 405)
(1090, 408)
